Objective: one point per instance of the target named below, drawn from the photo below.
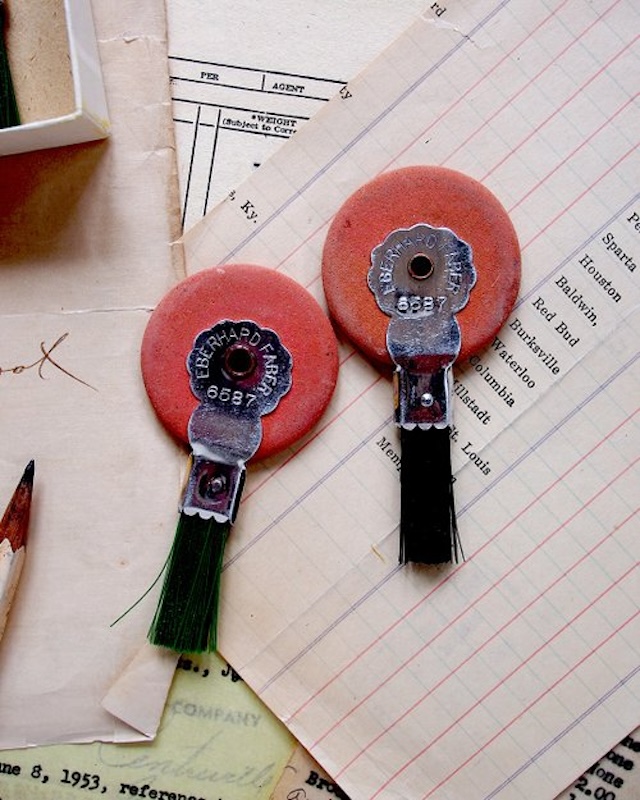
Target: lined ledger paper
(507, 675)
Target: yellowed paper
(216, 740)
(86, 250)
(304, 779)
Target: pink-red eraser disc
(439, 197)
(241, 292)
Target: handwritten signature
(200, 761)
(40, 364)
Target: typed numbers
(600, 792)
(83, 780)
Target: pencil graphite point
(14, 525)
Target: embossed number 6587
(415, 304)
(235, 397)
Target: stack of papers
(503, 676)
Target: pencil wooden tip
(14, 525)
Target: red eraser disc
(241, 292)
(442, 198)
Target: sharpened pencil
(13, 542)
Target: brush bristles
(186, 618)
(428, 527)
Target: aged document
(68, 770)
(615, 776)
(86, 250)
(238, 98)
(514, 671)
(216, 740)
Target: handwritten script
(45, 362)
(194, 763)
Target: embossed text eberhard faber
(239, 362)
(421, 267)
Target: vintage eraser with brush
(239, 362)
(421, 267)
